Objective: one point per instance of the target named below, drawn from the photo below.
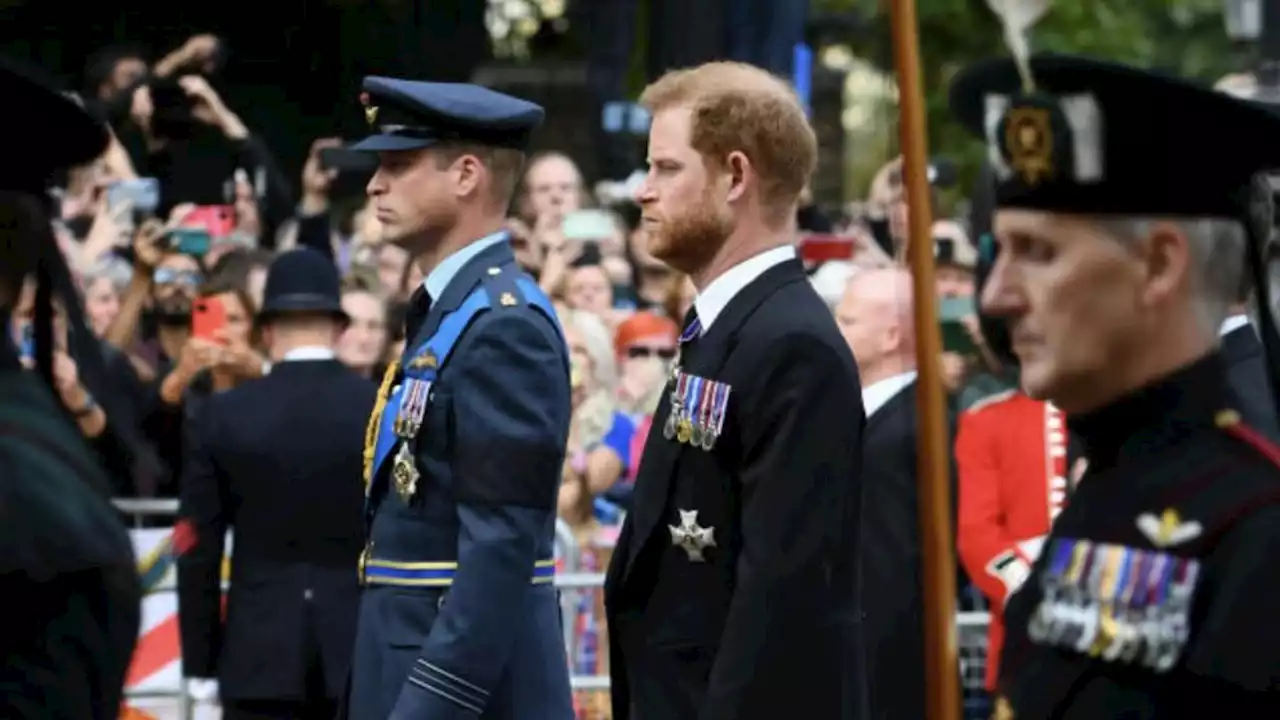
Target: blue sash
(441, 344)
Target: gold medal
(405, 474)
(684, 430)
(669, 427)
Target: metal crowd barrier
(970, 626)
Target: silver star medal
(691, 538)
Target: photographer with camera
(193, 143)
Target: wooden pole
(942, 669)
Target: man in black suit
(1247, 371)
(733, 591)
(279, 459)
(875, 316)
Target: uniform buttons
(440, 602)
(307, 594)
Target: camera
(173, 111)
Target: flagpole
(942, 671)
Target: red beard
(689, 241)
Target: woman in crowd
(363, 345)
(646, 345)
(599, 434)
(102, 285)
(646, 348)
(587, 287)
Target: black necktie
(419, 306)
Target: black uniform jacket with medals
(67, 569)
(767, 616)
(1156, 593)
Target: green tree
(1186, 37)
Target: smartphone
(955, 337)
(219, 220)
(208, 317)
(823, 248)
(588, 225)
(142, 193)
(192, 241)
(344, 160)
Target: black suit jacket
(771, 620)
(1248, 381)
(891, 567)
(280, 460)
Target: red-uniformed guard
(1012, 465)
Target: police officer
(66, 564)
(276, 458)
(733, 593)
(1120, 193)
(459, 616)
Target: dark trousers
(315, 703)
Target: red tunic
(1011, 456)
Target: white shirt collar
(311, 352)
(875, 395)
(438, 279)
(712, 301)
(1235, 322)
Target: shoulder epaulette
(1229, 421)
(991, 400)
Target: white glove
(203, 690)
(1031, 547)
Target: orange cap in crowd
(642, 325)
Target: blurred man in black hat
(66, 564)
(1155, 590)
(279, 460)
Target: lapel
(459, 287)
(704, 357)
(893, 408)
(1240, 344)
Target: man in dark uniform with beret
(278, 459)
(459, 616)
(67, 570)
(1155, 593)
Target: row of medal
(698, 409)
(1116, 603)
(413, 407)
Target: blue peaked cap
(408, 115)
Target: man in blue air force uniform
(459, 617)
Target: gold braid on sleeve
(375, 418)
